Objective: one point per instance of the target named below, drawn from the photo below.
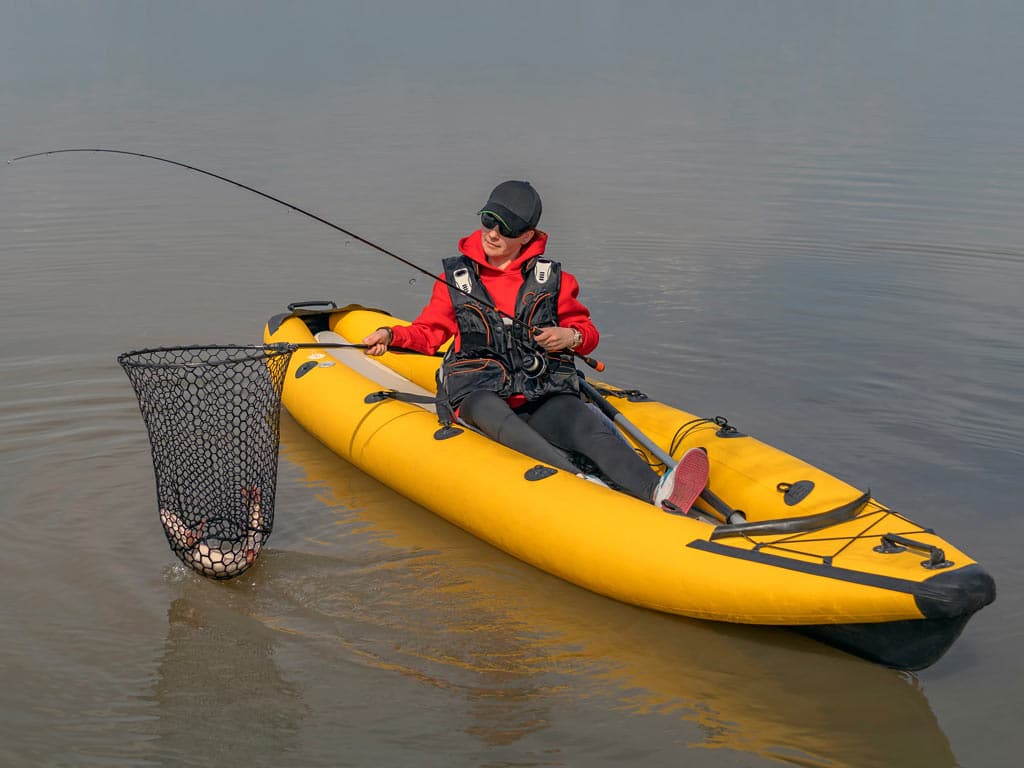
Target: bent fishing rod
(595, 364)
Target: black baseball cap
(516, 203)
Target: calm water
(803, 216)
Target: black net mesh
(213, 418)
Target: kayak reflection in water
(511, 373)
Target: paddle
(729, 515)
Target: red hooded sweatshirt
(436, 323)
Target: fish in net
(213, 418)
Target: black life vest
(495, 353)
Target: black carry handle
(303, 304)
(893, 543)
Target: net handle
(265, 351)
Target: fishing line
(595, 364)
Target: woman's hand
(556, 338)
(378, 341)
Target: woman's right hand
(378, 341)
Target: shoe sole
(691, 478)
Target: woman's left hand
(554, 338)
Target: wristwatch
(577, 338)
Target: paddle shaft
(629, 427)
(597, 365)
(727, 513)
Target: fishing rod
(595, 364)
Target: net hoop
(148, 358)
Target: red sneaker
(682, 484)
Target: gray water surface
(805, 217)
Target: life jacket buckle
(462, 280)
(542, 270)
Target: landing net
(213, 418)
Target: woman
(511, 373)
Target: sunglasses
(489, 220)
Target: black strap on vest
(402, 397)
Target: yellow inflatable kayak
(775, 541)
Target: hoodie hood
(472, 246)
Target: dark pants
(566, 422)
